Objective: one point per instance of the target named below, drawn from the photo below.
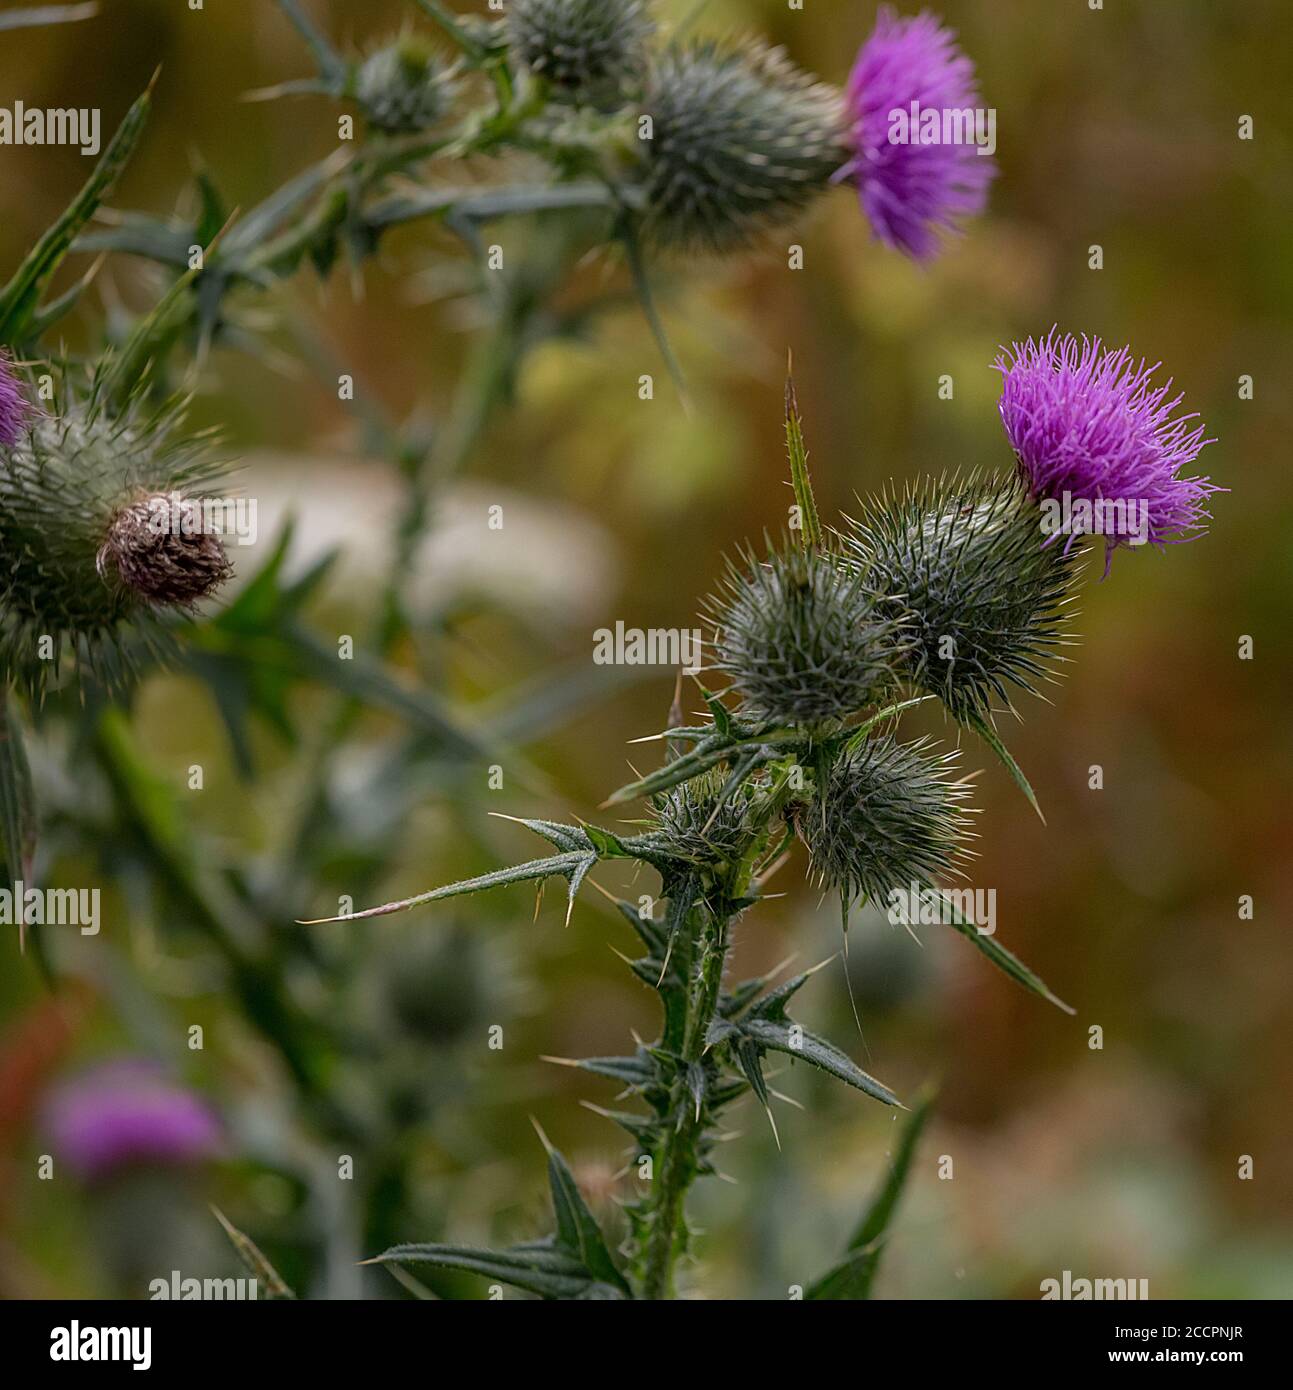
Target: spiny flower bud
(403, 88)
(14, 410)
(802, 638)
(885, 816)
(81, 556)
(152, 550)
(693, 824)
(591, 51)
(982, 596)
(740, 140)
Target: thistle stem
(678, 1159)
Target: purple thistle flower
(14, 410)
(126, 1112)
(911, 191)
(1088, 425)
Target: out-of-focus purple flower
(1088, 426)
(126, 1112)
(910, 81)
(14, 410)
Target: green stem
(678, 1159)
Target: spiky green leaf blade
(795, 1042)
(885, 1202)
(539, 1267)
(250, 1254)
(1007, 961)
(810, 524)
(20, 297)
(569, 866)
(850, 1279)
(577, 1228)
(990, 736)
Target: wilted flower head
(14, 410)
(740, 140)
(911, 191)
(1088, 424)
(152, 550)
(983, 600)
(589, 50)
(886, 816)
(802, 637)
(403, 87)
(125, 1113)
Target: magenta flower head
(1099, 445)
(922, 140)
(14, 410)
(126, 1113)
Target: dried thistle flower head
(153, 548)
(886, 815)
(79, 563)
(802, 637)
(741, 140)
(403, 87)
(982, 596)
(695, 825)
(591, 51)
(15, 413)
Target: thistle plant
(823, 642)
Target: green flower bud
(403, 87)
(740, 140)
(591, 51)
(885, 816)
(802, 639)
(693, 825)
(984, 600)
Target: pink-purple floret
(1089, 421)
(913, 192)
(127, 1113)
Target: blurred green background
(1116, 127)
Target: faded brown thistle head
(159, 548)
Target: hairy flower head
(912, 191)
(886, 815)
(802, 637)
(982, 598)
(15, 413)
(589, 50)
(740, 141)
(1088, 423)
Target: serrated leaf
(539, 1267)
(990, 736)
(850, 1279)
(21, 296)
(817, 1051)
(577, 1228)
(631, 1071)
(568, 866)
(1008, 962)
(885, 1202)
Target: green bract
(739, 141)
(591, 51)
(962, 561)
(802, 637)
